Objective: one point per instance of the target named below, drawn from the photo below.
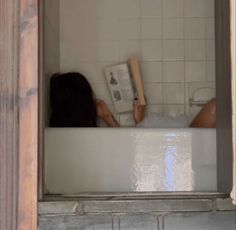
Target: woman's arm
(105, 114)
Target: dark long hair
(72, 101)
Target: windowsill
(135, 196)
(135, 203)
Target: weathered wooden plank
(28, 115)
(8, 114)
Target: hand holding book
(105, 114)
(139, 111)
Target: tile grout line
(162, 56)
(186, 111)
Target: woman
(74, 105)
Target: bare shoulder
(212, 102)
(206, 118)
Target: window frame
(224, 134)
(233, 82)
(20, 24)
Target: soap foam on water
(153, 120)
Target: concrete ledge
(66, 222)
(59, 207)
(168, 221)
(147, 206)
(124, 206)
(225, 205)
(200, 221)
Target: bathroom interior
(174, 41)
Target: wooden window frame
(18, 114)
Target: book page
(120, 87)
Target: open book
(125, 83)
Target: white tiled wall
(173, 38)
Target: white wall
(173, 38)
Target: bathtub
(81, 160)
